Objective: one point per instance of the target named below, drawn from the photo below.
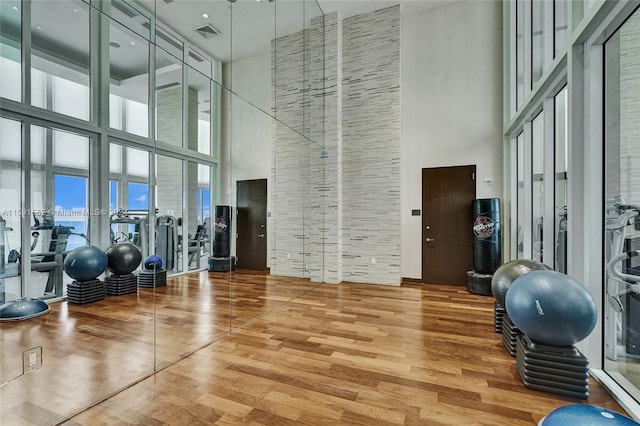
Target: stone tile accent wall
(288, 202)
(336, 190)
(371, 147)
(169, 115)
(325, 130)
(290, 171)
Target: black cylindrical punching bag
(222, 232)
(486, 235)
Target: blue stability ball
(585, 415)
(508, 272)
(123, 258)
(551, 308)
(85, 263)
(153, 262)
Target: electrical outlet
(373, 260)
(32, 359)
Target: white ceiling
(348, 8)
(248, 26)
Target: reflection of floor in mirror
(92, 350)
(298, 353)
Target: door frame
(264, 221)
(471, 168)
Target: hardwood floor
(318, 354)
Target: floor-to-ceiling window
(10, 49)
(11, 211)
(622, 203)
(129, 196)
(59, 206)
(537, 188)
(129, 78)
(583, 60)
(60, 58)
(520, 194)
(537, 39)
(560, 189)
(560, 12)
(519, 51)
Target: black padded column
(486, 235)
(222, 232)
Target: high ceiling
(348, 8)
(247, 26)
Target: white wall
(451, 84)
(251, 128)
(251, 80)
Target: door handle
(261, 235)
(429, 239)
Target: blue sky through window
(70, 199)
(203, 204)
(113, 194)
(138, 196)
(70, 192)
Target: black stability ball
(123, 258)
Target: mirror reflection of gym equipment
(168, 237)
(131, 226)
(47, 253)
(622, 310)
(169, 243)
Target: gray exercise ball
(508, 272)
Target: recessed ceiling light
(133, 43)
(39, 27)
(15, 8)
(205, 15)
(114, 44)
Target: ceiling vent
(207, 31)
(195, 56)
(168, 85)
(124, 8)
(160, 33)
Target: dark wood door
(447, 237)
(251, 214)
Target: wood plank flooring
(349, 354)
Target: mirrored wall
(133, 123)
